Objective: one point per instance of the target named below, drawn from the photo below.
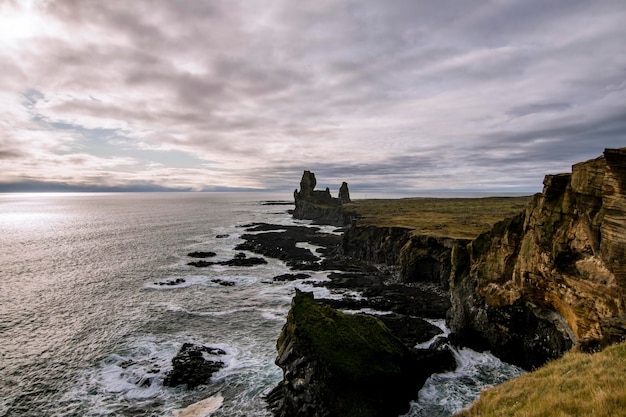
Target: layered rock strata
(552, 277)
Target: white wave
(312, 248)
(368, 311)
(219, 313)
(274, 314)
(441, 324)
(446, 393)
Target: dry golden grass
(443, 217)
(578, 384)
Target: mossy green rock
(336, 364)
(357, 347)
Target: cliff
(553, 276)
(418, 258)
(336, 364)
(321, 206)
(529, 287)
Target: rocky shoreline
(536, 285)
(531, 288)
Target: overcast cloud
(398, 95)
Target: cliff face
(553, 276)
(418, 257)
(336, 364)
(312, 204)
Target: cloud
(406, 95)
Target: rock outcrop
(418, 258)
(321, 206)
(193, 366)
(552, 277)
(346, 365)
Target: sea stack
(318, 205)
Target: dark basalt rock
(239, 260)
(201, 254)
(319, 205)
(223, 283)
(280, 242)
(222, 236)
(244, 262)
(171, 282)
(290, 277)
(191, 367)
(345, 365)
(418, 301)
(410, 330)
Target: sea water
(88, 328)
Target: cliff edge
(553, 276)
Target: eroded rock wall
(418, 258)
(553, 276)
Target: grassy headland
(442, 217)
(578, 384)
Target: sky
(394, 96)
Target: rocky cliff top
(555, 275)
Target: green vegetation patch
(578, 384)
(462, 218)
(357, 347)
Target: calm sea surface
(87, 329)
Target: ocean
(88, 326)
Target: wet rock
(201, 254)
(192, 367)
(171, 282)
(223, 282)
(410, 330)
(290, 277)
(239, 260)
(222, 236)
(281, 242)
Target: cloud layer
(403, 95)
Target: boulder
(192, 367)
(201, 254)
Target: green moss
(357, 347)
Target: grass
(578, 384)
(462, 218)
